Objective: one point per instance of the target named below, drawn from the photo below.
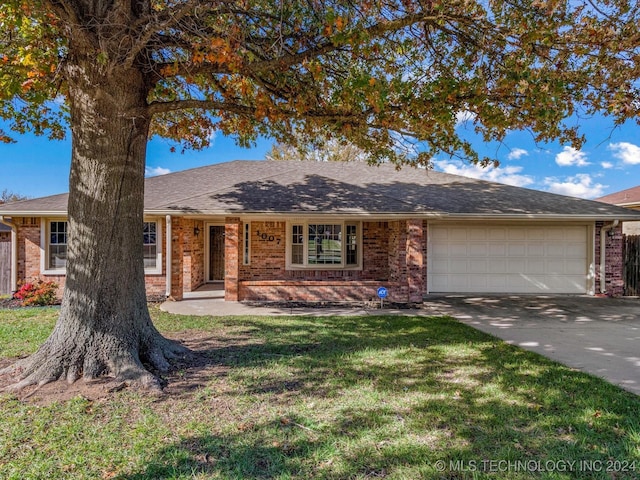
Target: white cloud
(463, 117)
(570, 156)
(580, 185)
(509, 174)
(606, 165)
(517, 154)
(627, 152)
(155, 171)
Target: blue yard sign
(382, 292)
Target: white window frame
(45, 232)
(45, 235)
(305, 222)
(157, 270)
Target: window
(57, 247)
(54, 241)
(150, 242)
(324, 245)
(297, 245)
(246, 258)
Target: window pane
(150, 256)
(297, 251)
(324, 244)
(149, 241)
(247, 239)
(57, 245)
(352, 245)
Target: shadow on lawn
(400, 393)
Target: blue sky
(608, 162)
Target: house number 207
(265, 237)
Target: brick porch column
(232, 231)
(177, 253)
(415, 260)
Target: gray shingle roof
(269, 187)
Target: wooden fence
(5, 267)
(631, 257)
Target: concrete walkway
(597, 335)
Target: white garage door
(505, 259)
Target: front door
(216, 253)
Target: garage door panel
(457, 249)
(555, 250)
(575, 250)
(477, 266)
(496, 250)
(516, 265)
(495, 234)
(536, 250)
(547, 259)
(497, 265)
(458, 266)
(535, 266)
(516, 249)
(574, 266)
(477, 250)
(440, 266)
(517, 234)
(458, 235)
(575, 234)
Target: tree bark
(104, 326)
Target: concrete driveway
(597, 335)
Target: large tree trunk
(104, 326)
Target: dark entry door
(216, 253)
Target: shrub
(37, 293)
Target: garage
(508, 259)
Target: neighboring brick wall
(614, 284)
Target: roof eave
(391, 215)
(33, 213)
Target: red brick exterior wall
(29, 259)
(193, 254)
(385, 246)
(614, 284)
(393, 255)
(233, 258)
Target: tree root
(71, 361)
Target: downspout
(14, 252)
(603, 253)
(168, 256)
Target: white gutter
(603, 253)
(14, 252)
(168, 255)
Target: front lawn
(330, 398)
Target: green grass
(328, 398)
